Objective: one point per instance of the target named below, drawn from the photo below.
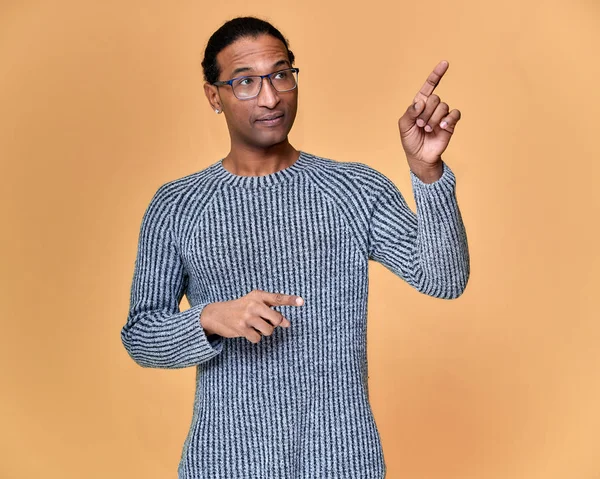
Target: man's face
(254, 56)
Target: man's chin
(268, 141)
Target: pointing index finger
(432, 80)
(280, 299)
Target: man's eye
(281, 75)
(246, 81)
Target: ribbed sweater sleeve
(157, 334)
(427, 249)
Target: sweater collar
(264, 181)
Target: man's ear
(213, 97)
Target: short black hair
(231, 31)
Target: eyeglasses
(247, 87)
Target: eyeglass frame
(268, 75)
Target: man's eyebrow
(281, 62)
(240, 70)
(235, 72)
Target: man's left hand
(426, 131)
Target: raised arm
(157, 334)
(428, 249)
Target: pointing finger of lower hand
(280, 299)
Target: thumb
(414, 110)
(408, 120)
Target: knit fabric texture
(295, 405)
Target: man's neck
(246, 161)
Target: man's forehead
(253, 54)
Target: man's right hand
(250, 316)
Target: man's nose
(268, 96)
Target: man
(271, 246)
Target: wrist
(205, 320)
(426, 172)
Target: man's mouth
(270, 118)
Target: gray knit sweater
(296, 404)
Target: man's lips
(270, 117)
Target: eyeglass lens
(249, 86)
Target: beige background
(102, 102)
